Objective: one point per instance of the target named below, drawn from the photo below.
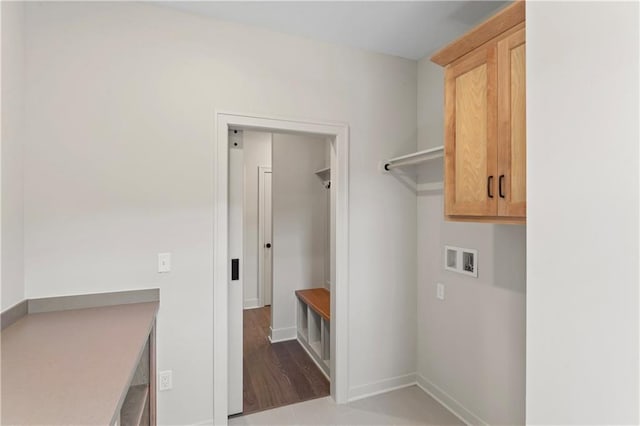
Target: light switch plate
(440, 291)
(164, 262)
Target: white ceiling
(409, 29)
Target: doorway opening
(294, 259)
(280, 237)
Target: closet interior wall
(299, 225)
(257, 153)
(474, 340)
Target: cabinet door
(471, 135)
(512, 147)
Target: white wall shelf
(430, 186)
(324, 174)
(414, 158)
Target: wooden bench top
(318, 299)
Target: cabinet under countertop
(73, 366)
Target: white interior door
(236, 207)
(265, 249)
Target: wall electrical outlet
(164, 262)
(440, 291)
(165, 380)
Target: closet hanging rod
(414, 158)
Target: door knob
(268, 245)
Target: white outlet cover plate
(165, 380)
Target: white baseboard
(313, 358)
(456, 408)
(382, 386)
(252, 303)
(282, 334)
(204, 423)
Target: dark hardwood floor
(276, 374)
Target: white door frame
(261, 242)
(221, 264)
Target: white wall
(120, 100)
(257, 152)
(299, 225)
(12, 275)
(471, 346)
(582, 265)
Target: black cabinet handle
(489, 185)
(500, 181)
(268, 245)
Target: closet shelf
(324, 174)
(414, 158)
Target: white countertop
(72, 367)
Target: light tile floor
(407, 406)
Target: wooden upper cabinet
(512, 135)
(471, 135)
(485, 131)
